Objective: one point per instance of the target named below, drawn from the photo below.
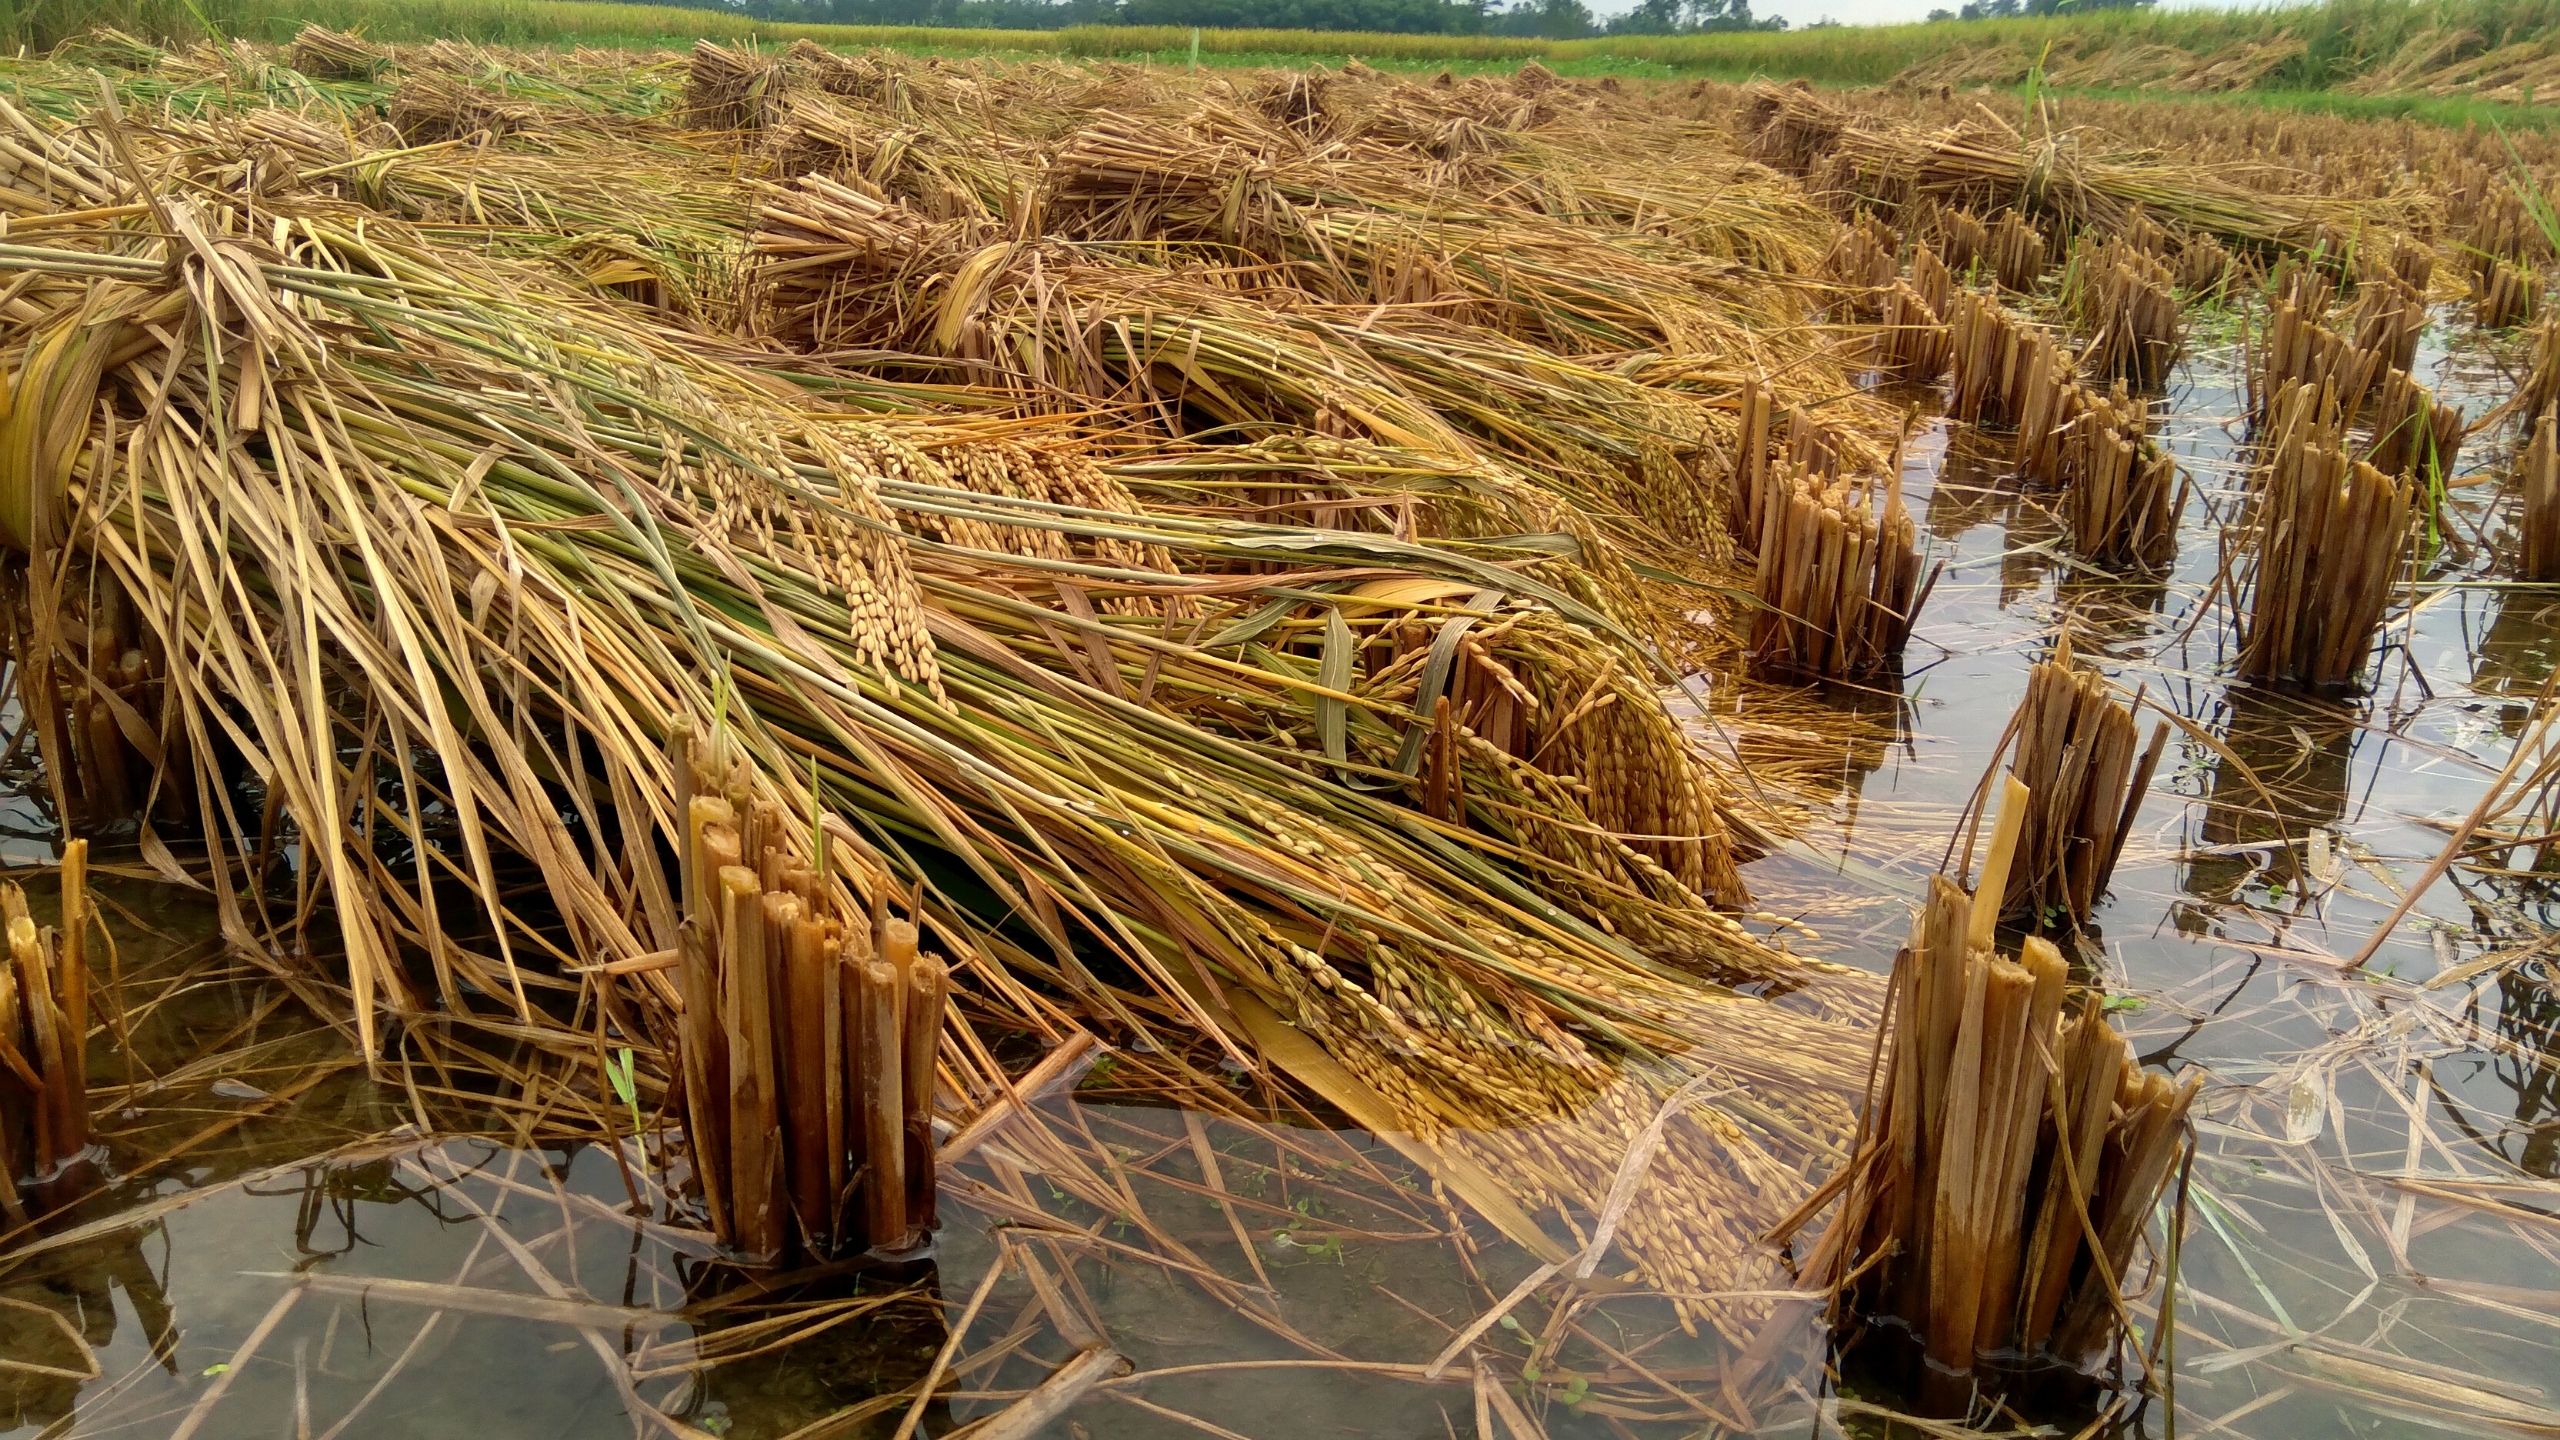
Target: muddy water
(2374, 1245)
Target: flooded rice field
(287, 1245)
(801, 745)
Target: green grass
(2339, 40)
(42, 24)
(2454, 111)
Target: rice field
(766, 740)
(2455, 61)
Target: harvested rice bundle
(326, 54)
(621, 214)
(2325, 552)
(2413, 435)
(2126, 303)
(2538, 520)
(942, 177)
(2017, 253)
(731, 88)
(1862, 262)
(430, 107)
(2074, 752)
(1986, 165)
(1336, 225)
(1295, 100)
(1839, 584)
(873, 78)
(1525, 690)
(105, 47)
(1087, 326)
(454, 57)
(1789, 128)
(2020, 1152)
(2298, 350)
(1916, 347)
(44, 1039)
(2507, 295)
(2118, 488)
(2388, 317)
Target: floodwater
(291, 1247)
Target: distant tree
(1650, 17)
(1937, 15)
(1546, 19)
(1691, 17)
(1564, 19)
(2003, 9)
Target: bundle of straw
(2413, 435)
(2506, 295)
(1839, 584)
(1933, 278)
(2299, 350)
(1084, 325)
(731, 88)
(807, 1036)
(2017, 253)
(2118, 488)
(944, 178)
(2125, 302)
(1344, 224)
(2010, 372)
(2538, 522)
(326, 54)
(44, 1038)
(2074, 751)
(430, 108)
(2325, 552)
(2388, 317)
(2057, 177)
(1916, 347)
(2018, 1153)
(873, 77)
(1789, 128)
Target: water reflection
(2275, 790)
(2514, 654)
(54, 1326)
(359, 1293)
(2529, 1067)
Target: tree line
(2006, 9)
